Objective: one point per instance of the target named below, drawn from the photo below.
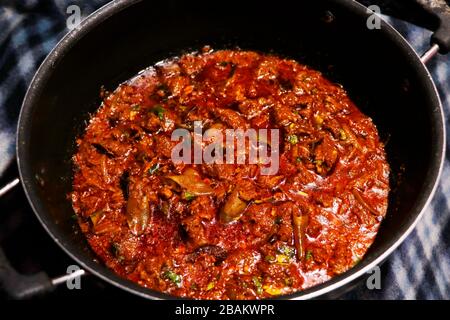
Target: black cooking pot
(380, 71)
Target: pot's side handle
(9, 186)
(431, 14)
(19, 286)
(14, 284)
(441, 11)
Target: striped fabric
(418, 269)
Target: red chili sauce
(243, 235)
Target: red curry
(246, 235)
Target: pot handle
(440, 10)
(16, 285)
(431, 14)
(9, 186)
(20, 286)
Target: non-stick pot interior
(378, 71)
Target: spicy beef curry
(225, 231)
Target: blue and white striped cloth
(418, 269)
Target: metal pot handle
(9, 186)
(440, 10)
(439, 13)
(431, 14)
(19, 286)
